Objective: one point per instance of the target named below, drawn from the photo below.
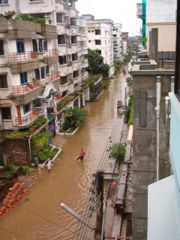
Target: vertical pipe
(158, 99)
(172, 83)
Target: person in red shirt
(81, 155)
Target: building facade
(59, 50)
(117, 41)
(125, 40)
(100, 38)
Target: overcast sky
(120, 11)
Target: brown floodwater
(38, 216)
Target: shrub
(118, 152)
(46, 153)
(10, 170)
(40, 140)
(25, 170)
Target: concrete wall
(144, 141)
(166, 36)
(15, 151)
(161, 11)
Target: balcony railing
(51, 53)
(52, 77)
(22, 57)
(23, 89)
(30, 117)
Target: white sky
(120, 11)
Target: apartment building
(100, 38)
(125, 39)
(117, 41)
(29, 72)
(69, 46)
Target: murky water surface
(39, 216)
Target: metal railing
(15, 57)
(30, 117)
(23, 89)
(51, 53)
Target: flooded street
(39, 216)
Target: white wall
(161, 11)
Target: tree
(96, 65)
(74, 117)
(118, 152)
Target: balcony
(30, 117)
(53, 77)
(22, 57)
(51, 53)
(24, 89)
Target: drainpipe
(172, 83)
(158, 99)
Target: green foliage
(24, 132)
(27, 17)
(117, 66)
(40, 140)
(64, 102)
(25, 170)
(129, 81)
(127, 58)
(129, 112)
(96, 65)
(10, 170)
(74, 117)
(46, 153)
(105, 83)
(118, 152)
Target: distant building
(125, 40)
(100, 38)
(117, 41)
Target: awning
(49, 89)
(164, 210)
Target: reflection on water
(39, 216)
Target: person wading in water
(81, 155)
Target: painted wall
(166, 36)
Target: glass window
(35, 46)
(20, 46)
(23, 78)
(97, 31)
(3, 81)
(98, 42)
(40, 45)
(75, 57)
(6, 113)
(26, 108)
(61, 39)
(45, 45)
(47, 70)
(42, 72)
(1, 47)
(37, 74)
(3, 1)
(62, 60)
(59, 17)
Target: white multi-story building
(125, 37)
(40, 53)
(117, 41)
(100, 38)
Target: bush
(27, 17)
(118, 152)
(40, 140)
(25, 170)
(46, 153)
(10, 170)
(74, 117)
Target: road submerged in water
(39, 216)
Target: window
(6, 113)
(20, 46)
(98, 42)
(74, 57)
(75, 74)
(23, 78)
(59, 17)
(97, 31)
(3, 1)
(62, 60)
(37, 103)
(1, 47)
(37, 74)
(73, 21)
(61, 39)
(45, 43)
(73, 39)
(47, 70)
(35, 46)
(42, 72)
(3, 81)
(26, 108)
(40, 45)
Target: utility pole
(99, 190)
